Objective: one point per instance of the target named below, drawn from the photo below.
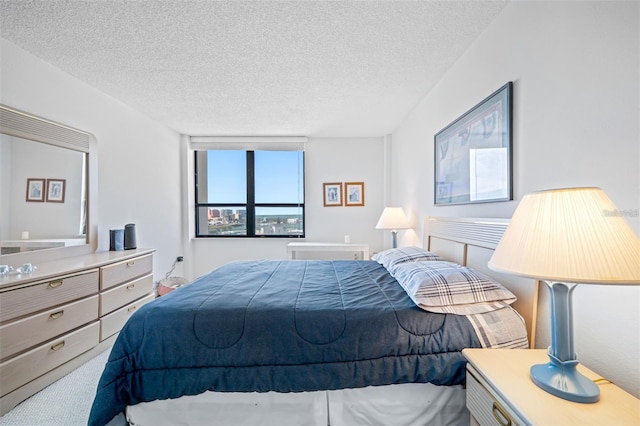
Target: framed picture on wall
(473, 155)
(35, 190)
(332, 194)
(55, 190)
(354, 193)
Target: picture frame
(473, 160)
(332, 194)
(55, 190)
(353, 194)
(35, 190)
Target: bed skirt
(402, 404)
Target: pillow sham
(449, 288)
(392, 257)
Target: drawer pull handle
(132, 308)
(502, 417)
(56, 283)
(57, 346)
(129, 264)
(131, 286)
(56, 315)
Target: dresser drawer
(46, 294)
(19, 335)
(112, 323)
(117, 297)
(30, 365)
(121, 272)
(486, 407)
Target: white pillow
(446, 287)
(396, 256)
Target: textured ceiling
(313, 68)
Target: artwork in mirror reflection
(26, 225)
(473, 154)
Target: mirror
(45, 189)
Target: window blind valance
(249, 143)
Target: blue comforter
(285, 326)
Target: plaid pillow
(446, 287)
(396, 256)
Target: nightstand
(500, 392)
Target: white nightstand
(500, 392)
(326, 251)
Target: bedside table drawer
(487, 408)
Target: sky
(276, 176)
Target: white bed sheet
(405, 404)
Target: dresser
(501, 392)
(66, 312)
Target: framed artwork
(354, 193)
(55, 190)
(35, 190)
(473, 155)
(332, 194)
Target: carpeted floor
(66, 402)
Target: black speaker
(116, 239)
(130, 236)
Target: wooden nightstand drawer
(46, 294)
(22, 334)
(112, 323)
(117, 297)
(30, 365)
(486, 407)
(120, 272)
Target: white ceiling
(311, 68)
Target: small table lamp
(393, 218)
(565, 237)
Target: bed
(318, 342)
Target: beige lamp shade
(573, 235)
(393, 218)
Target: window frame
(250, 205)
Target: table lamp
(393, 218)
(566, 237)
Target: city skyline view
(271, 183)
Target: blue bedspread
(286, 326)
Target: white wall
(326, 160)
(575, 68)
(138, 161)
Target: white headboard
(471, 242)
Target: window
(249, 193)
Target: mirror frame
(20, 124)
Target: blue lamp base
(394, 239)
(562, 379)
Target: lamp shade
(573, 235)
(393, 218)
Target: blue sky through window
(227, 174)
(276, 177)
